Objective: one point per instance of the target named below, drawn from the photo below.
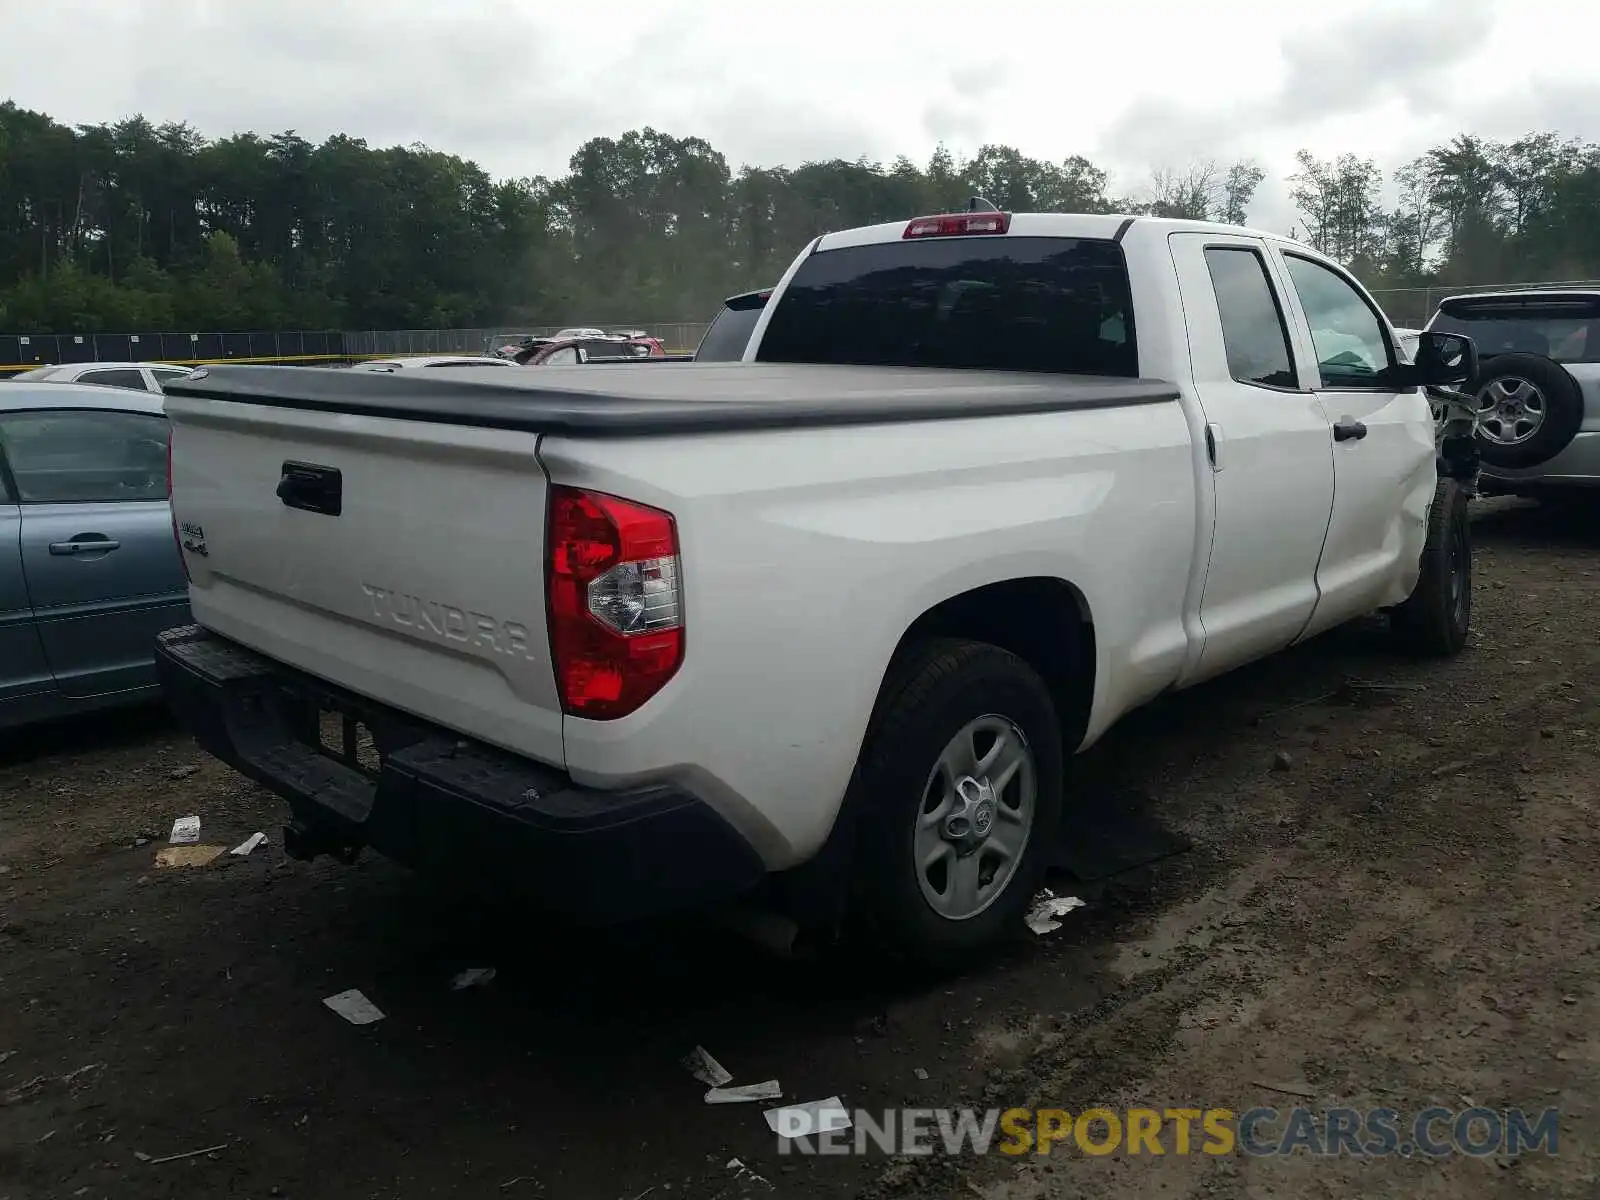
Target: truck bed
(687, 398)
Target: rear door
(102, 570)
(1268, 446)
(23, 671)
(1383, 445)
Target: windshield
(729, 334)
(994, 303)
(37, 373)
(1566, 330)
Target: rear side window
(1253, 332)
(993, 303)
(728, 335)
(124, 377)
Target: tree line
(136, 226)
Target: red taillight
(177, 539)
(615, 600)
(958, 224)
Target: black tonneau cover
(685, 398)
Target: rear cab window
(1565, 328)
(1005, 303)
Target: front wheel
(960, 786)
(1436, 618)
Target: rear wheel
(960, 784)
(1437, 616)
(1529, 410)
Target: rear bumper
(1576, 466)
(503, 825)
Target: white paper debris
(1047, 908)
(920, 1072)
(249, 844)
(185, 831)
(472, 977)
(745, 1093)
(807, 1120)
(354, 1007)
(699, 1063)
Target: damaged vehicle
(818, 628)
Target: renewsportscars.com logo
(1256, 1132)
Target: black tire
(937, 690)
(1563, 408)
(1435, 619)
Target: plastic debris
(185, 831)
(188, 856)
(1048, 908)
(699, 1063)
(249, 844)
(354, 1007)
(806, 1120)
(920, 1073)
(472, 977)
(744, 1093)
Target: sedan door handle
(1348, 429)
(85, 546)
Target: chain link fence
(1407, 307)
(20, 352)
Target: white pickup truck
(825, 624)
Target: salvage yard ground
(1393, 900)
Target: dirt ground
(1403, 912)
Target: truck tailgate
(403, 560)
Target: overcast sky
(517, 85)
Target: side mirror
(583, 355)
(1442, 360)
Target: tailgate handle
(311, 488)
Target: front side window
(81, 456)
(996, 303)
(1253, 332)
(565, 357)
(1352, 351)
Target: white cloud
(517, 85)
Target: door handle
(85, 545)
(1348, 429)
